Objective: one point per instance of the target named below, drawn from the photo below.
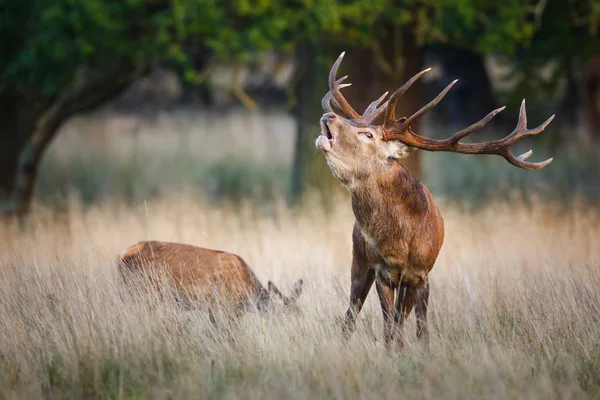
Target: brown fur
(202, 276)
(399, 230)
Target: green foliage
(563, 32)
(43, 42)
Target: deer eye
(367, 134)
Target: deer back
(201, 274)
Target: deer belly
(401, 273)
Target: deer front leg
(358, 294)
(362, 276)
(404, 305)
(421, 299)
(385, 290)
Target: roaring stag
(203, 277)
(398, 230)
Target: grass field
(515, 304)
(515, 309)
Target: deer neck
(387, 202)
(263, 299)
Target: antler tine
(476, 126)
(374, 109)
(337, 95)
(521, 130)
(519, 133)
(326, 102)
(328, 98)
(416, 116)
(390, 113)
(518, 161)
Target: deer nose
(328, 118)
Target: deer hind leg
(421, 298)
(362, 280)
(404, 305)
(385, 290)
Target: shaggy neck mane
(390, 187)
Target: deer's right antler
(401, 130)
(335, 96)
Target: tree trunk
(472, 98)
(16, 116)
(9, 156)
(310, 170)
(568, 108)
(30, 156)
(590, 93)
(29, 125)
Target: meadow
(514, 311)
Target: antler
(401, 130)
(374, 109)
(334, 90)
(335, 96)
(328, 98)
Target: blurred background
(134, 99)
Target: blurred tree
(472, 96)
(64, 57)
(309, 168)
(562, 57)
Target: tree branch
(82, 97)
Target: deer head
(290, 303)
(353, 145)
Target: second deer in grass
(203, 277)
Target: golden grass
(515, 308)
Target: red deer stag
(398, 230)
(203, 276)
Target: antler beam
(401, 131)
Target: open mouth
(325, 140)
(326, 132)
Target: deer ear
(297, 290)
(399, 150)
(273, 289)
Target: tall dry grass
(515, 308)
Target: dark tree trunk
(310, 170)
(9, 153)
(30, 155)
(472, 97)
(16, 122)
(29, 125)
(590, 97)
(567, 114)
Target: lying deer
(398, 229)
(203, 277)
